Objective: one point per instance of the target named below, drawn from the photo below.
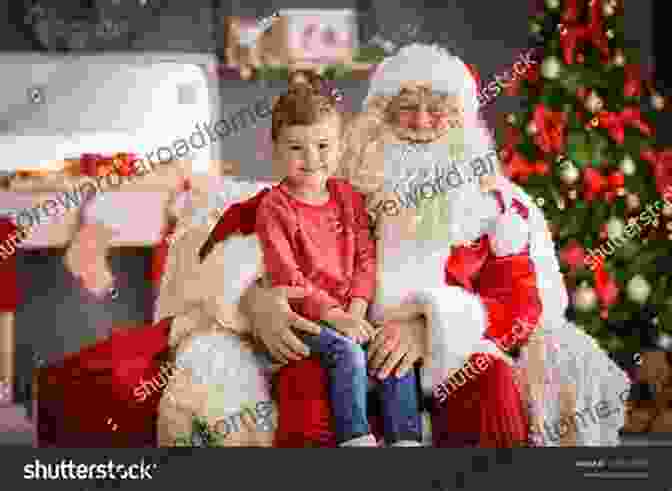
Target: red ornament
(582, 93)
(573, 255)
(580, 58)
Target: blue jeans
(345, 362)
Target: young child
(314, 232)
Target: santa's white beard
(412, 270)
(441, 180)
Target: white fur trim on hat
(425, 64)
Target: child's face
(308, 154)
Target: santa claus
(486, 266)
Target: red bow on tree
(595, 184)
(605, 286)
(661, 166)
(571, 35)
(518, 168)
(615, 123)
(632, 84)
(551, 129)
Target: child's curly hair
(304, 103)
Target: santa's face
(419, 114)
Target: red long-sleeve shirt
(327, 249)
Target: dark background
(55, 318)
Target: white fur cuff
(457, 321)
(511, 234)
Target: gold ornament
(620, 192)
(585, 298)
(553, 4)
(540, 201)
(615, 228)
(561, 204)
(572, 194)
(658, 102)
(551, 68)
(531, 128)
(594, 102)
(638, 289)
(569, 173)
(619, 59)
(610, 34)
(511, 118)
(627, 165)
(535, 27)
(595, 122)
(608, 10)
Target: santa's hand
(273, 320)
(397, 347)
(404, 312)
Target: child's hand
(357, 329)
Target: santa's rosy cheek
(405, 119)
(440, 121)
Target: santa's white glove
(510, 234)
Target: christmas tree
(585, 148)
